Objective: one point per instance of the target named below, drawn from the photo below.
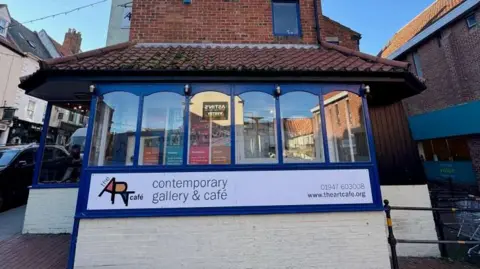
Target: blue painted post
(82, 195)
(185, 129)
(324, 130)
(41, 146)
(279, 130)
(232, 127)
(138, 131)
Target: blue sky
(376, 20)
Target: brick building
(272, 93)
(199, 23)
(441, 44)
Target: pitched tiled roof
(132, 57)
(8, 43)
(298, 127)
(430, 15)
(27, 40)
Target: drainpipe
(317, 23)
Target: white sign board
(229, 189)
(126, 18)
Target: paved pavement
(430, 263)
(35, 252)
(51, 252)
(11, 222)
(19, 251)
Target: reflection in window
(301, 128)
(209, 134)
(65, 143)
(162, 130)
(285, 18)
(255, 130)
(113, 140)
(347, 139)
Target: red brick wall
(221, 21)
(450, 65)
(347, 37)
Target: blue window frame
(235, 91)
(286, 18)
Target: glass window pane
(209, 129)
(459, 150)
(65, 144)
(162, 129)
(256, 140)
(344, 119)
(426, 146)
(301, 127)
(113, 140)
(285, 18)
(440, 150)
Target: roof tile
(128, 56)
(429, 16)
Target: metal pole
(438, 224)
(391, 238)
(438, 242)
(451, 209)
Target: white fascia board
(442, 22)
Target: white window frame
(31, 109)
(417, 63)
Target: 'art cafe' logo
(118, 188)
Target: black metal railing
(392, 241)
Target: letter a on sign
(120, 188)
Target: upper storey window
(286, 18)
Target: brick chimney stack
(73, 41)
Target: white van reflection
(76, 143)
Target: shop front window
(113, 140)
(301, 128)
(162, 134)
(64, 146)
(155, 130)
(345, 124)
(209, 129)
(255, 129)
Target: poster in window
(174, 144)
(199, 140)
(152, 150)
(215, 110)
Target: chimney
(72, 41)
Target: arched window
(255, 139)
(345, 124)
(210, 121)
(161, 140)
(113, 140)
(301, 128)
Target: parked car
(17, 165)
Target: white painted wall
(323, 240)
(412, 224)
(11, 65)
(115, 33)
(29, 66)
(50, 211)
